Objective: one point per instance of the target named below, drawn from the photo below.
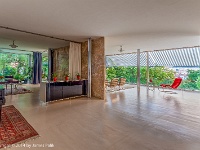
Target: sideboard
(51, 91)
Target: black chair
(10, 79)
(2, 99)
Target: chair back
(114, 82)
(106, 83)
(176, 83)
(122, 81)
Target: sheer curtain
(74, 59)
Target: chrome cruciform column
(147, 72)
(138, 71)
(89, 66)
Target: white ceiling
(27, 41)
(120, 21)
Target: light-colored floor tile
(156, 121)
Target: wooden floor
(124, 121)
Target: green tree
(121, 72)
(8, 70)
(143, 75)
(192, 80)
(157, 74)
(131, 74)
(110, 73)
(198, 82)
(160, 74)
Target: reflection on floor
(17, 89)
(124, 121)
(126, 86)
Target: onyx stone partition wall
(61, 62)
(51, 91)
(97, 66)
(60, 65)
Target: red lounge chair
(174, 85)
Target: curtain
(37, 67)
(74, 59)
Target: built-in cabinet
(51, 91)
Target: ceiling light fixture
(13, 45)
(121, 50)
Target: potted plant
(78, 76)
(54, 77)
(67, 77)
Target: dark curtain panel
(50, 64)
(37, 67)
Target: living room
(72, 109)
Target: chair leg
(160, 89)
(121, 88)
(112, 89)
(163, 90)
(153, 89)
(182, 92)
(117, 89)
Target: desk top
(8, 81)
(3, 81)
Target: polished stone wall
(61, 65)
(98, 66)
(61, 62)
(84, 60)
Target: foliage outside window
(16, 65)
(193, 80)
(118, 72)
(158, 75)
(44, 67)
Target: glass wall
(157, 74)
(165, 66)
(17, 65)
(44, 67)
